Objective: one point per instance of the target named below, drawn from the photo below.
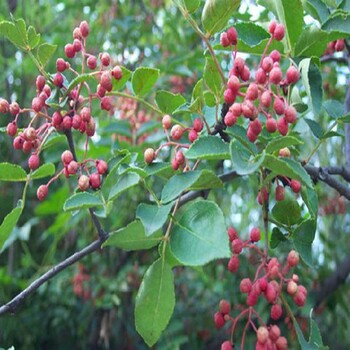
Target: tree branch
(12, 305)
(332, 282)
(323, 175)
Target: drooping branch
(323, 175)
(333, 282)
(12, 305)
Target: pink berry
(95, 180)
(72, 167)
(177, 132)
(272, 27)
(192, 135)
(198, 124)
(174, 164)
(219, 320)
(339, 45)
(279, 193)
(83, 182)
(90, 128)
(101, 167)
(293, 258)
(273, 268)
(226, 345)
(33, 161)
(179, 157)
(252, 298)
(166, 121)
(255, 126)
(270, 293)
(101, 92)
(292, 75)
(57, 119)
(58, 79)
(266, 99)
(245, 74)
(229, 96)
(232, 35)
(91, 62)
(85, 114)
(263, 196)
(77, 45)
(29, 134)
(67, 157)
(245, 285)
(278, 106)
(271, 125)
(11, 129)
(117, 73)
(76, 122)
(105, 59)
(248, 109)
(230, 119)
(262, 335)
(282, 126)
(290, 114)
(278, 33)
(224, 307)
(27, 146)
(232, 233)
(84, 28)
(67, 122)
(18, 143)
(276, 312)
(69, 50)
(236, 109)
(61, 65)
(274, 333)
(106, 81)
(40, 82)
(260, 76)
(237, 246)
(238, 65)
(233, 83)
(295, 186)
(275, 75)
(267, 64)
(252, 92)
(77, 33)
(37, 104)
(4, 106)
(292, 288)
(224, 39)
(233, 263)
(281, 343)
(14, 108)
(42, 192)
(106, 103)
(252, 137)
(149, 155)
(255, 234)
(275, 55)
(263, 284)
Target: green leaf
(312, 80)
(15, 32)
(118, 84)
(143, 79)
(282, 141)
(216, 13)
(208, 147)
(82, 200)
(169, 102)
(192, 5)
(303, 237)
(207, 180)
(212, 76)
(124, 182)
(197, 100)
(12, 172)
(152, 216)
(334, 108)
(45, 52)
(47, 169)
(242, 161)
(288, 211)
(317, 9)
(78, 80)
(240, 133)
(310, 198)
(33, 37)
(276, 238)
(119, 126)
(155, 302)
(133, 237)
(177, 184)
(9, 223)
(251, 34)
(289, 168)
(199, 236)
(339, 22)
(315, 127)
(312, 42)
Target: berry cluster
(335, 46)
(269, 282)
(264, 95)
(176, 133)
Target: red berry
(284, 152)
(149, 155)
(91, 62)
(57, 119)
(275, 75)
(255, 126)
(40, 82)
(179, 157)
(37, 104)
(58, 79)
(4, 106)
(105, 59)
(226, 345)
(14, 108)
(232, 233)
(292, 75)
(101, 167)
(42, 192)
(77, 33)
(260, 76)
(85, 114)
(219, 320)
(67, 122)
(282, 126)
(274, 333)
(90, 128)
(281, 343)
(233, 263)
(339, 45)
(233, 83)
(290, 114)
(69, 50)
(279, 193)
(83, 182)
(117, 73)
(255, 234)
(67, 157)
(177, 132)
(278, 33)
(27, 146)
(293, 258)
(295, 186)
(275, 55)
(273, 267)
(271, 125)
(245, 74)
(174, 164)
(198, 124)
(237, 246)
(245, 285)
(224, 40)
(270, 293)
(95, 180)
(192, 135)
(230, 119)
(77, 45)
(84, 28)
(11, 129)
(236, 109)
(33, 161)
(266, 99)
(248, 109)
(262, 284)
(252, 137)
(106, 81)
(292, 288)
(252, 92)
(267, 64)
(72, 167)
(101, 92)
(76, 121)
(18, 143)
(262, 335)
(238, 65)
(229, 96)
(29, 134)
(272, 27)
(224, 307)
(276, 312)
(252, 298)
(106, 103)
(166, 121)
(61, 65)
(232, 35)
(265, 196)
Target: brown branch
(12, 305)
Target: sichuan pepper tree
(240, 121)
